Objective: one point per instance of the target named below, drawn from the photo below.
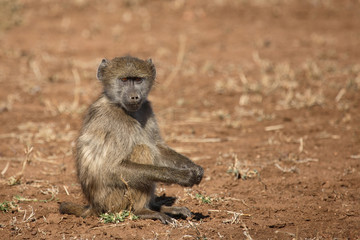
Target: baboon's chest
(142, 135)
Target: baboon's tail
(75, 209)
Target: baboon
(120, 154)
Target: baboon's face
(127, 81)
(131, 92)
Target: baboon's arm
(171, 158)
(136, 174)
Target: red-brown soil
(266, 89)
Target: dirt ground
(263, 94)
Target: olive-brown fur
(120, 154)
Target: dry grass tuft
(14, 180)
(30, 217)
(8, 104)
(198, 235)
(280, 82)
(10, 14)
(240, 169)
(305, 99)
(227, 85)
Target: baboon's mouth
(133, 107)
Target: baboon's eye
(123, 79)
(138, 80)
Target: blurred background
(263, 94)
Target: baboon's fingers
(150, 214)
(184, 211)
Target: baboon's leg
(146, 213)
(184, 211)
(164, 207)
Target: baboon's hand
(199, 173)
(191, 176)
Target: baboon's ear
(100, 72)
(152, 67)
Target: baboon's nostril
(134, 97)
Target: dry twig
(340, 94)
(77, 80)
(67, 192)
(301, 147)
(246, 231)
(274, 128)
(5, 169)
(285, 169)
(179, 61)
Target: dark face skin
(131, 92)
(127, 81)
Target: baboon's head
(127, 80)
